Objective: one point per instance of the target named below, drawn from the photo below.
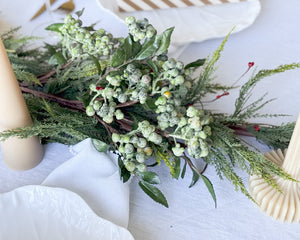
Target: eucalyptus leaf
(149, 177)
(55, 27)
(99, 145)
(154, 193)
(210, 188)
(165, 41)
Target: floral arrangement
(131, 98)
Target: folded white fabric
(194, 24)
(95, 177)
(44, 213)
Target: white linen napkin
(95, 177)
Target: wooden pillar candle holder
(284, 205)
(17, 154)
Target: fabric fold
(94, 176)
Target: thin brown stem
(73, 104)
(126, 104)
(109, 128)
(239, 130)
(192, 166)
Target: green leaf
(79, 13)
(124, 174)
(153, 164)
(96, 61)
(183, 170)
(136, 46)
(150, 104)
(135, 124)
(197, 63)
(149, 177)
(152, 66)
(55, 27)
(148, 49)
(103, 71)
(99, 145)
(165, 41)
(91, 27)
(194, 179)
(154, 193)
(177, 168)
(57, 59)
(127, 47)
(210, 188)
(118, 57)
(51, 49)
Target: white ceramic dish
(45, 213)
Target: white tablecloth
(272, 40)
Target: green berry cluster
(137, 87)
(195, 129)
(140, 29)
(173, 72)
(167, 113)
(135, 146)
(81, 42)
(188, 124)
(135, 82)
(106, 111)
(139, 84)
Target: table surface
(272, 40)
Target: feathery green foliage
(277, 137)
(243, 111)
(128, 94)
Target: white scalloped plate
(45, 213)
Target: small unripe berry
(90, 111)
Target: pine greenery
(67, 85)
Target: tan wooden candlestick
(18, 154)
(284, 205)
